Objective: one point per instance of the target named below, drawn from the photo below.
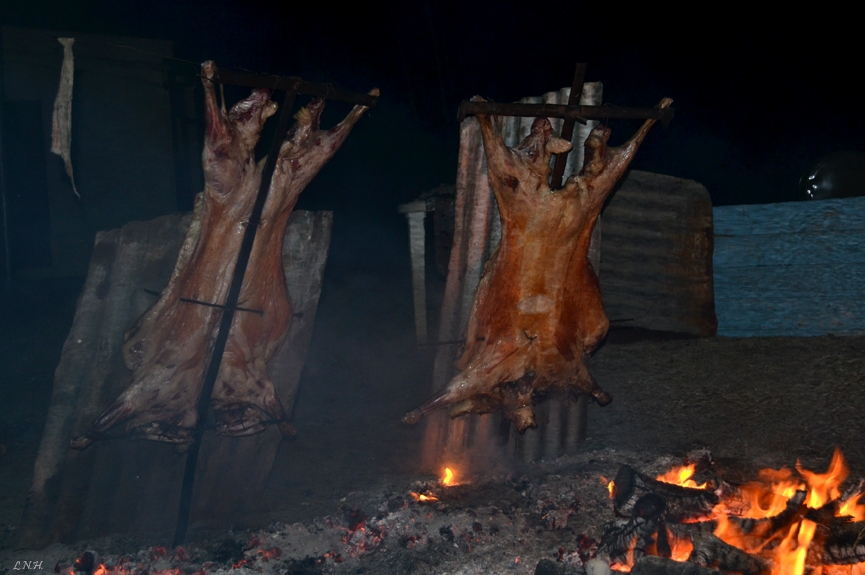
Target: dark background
(757, 102)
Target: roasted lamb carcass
(169, 347)
(537, 312)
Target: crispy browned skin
(169, 346)
(537, 312)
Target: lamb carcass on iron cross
(537, 312)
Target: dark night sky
(756, 106)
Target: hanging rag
(61, 129)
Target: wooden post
(415, 213)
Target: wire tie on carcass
(189, 300)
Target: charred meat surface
(537, 312)
(169, 346)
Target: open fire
(427, 495)
(706, 518)
(784, 522)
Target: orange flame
(681, 476)
(790, 557)
(681, 548)
(449, 477)
(852, 508)
(610, 485)
(824, 487)
(765, 497)
(857, 569)
(769, 495)
(618, 567)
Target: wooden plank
(804, 282)
(815, 217)
(792, 269)
(656, 264)
(843, 246)
(118, 486)
(757, 317)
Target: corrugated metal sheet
(791, 269)
(656, 255)
(124, 486)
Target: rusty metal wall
(656, 267)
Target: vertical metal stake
(227, 317)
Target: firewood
(793, 512)
(710, 550)
(660, 566)
(682, 504)
(845, 544)
(643, 534)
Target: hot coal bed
(598, 512)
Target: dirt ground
(774, 399)
(766, 401)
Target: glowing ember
(681, 476)
(449, 477)
(267, 554)
(427, 497)
(626, 567)
(681, 548)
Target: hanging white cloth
(61, 129)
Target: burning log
(537, 311)
(751, 533)
(710, 551)
(168, 348)
(625, 542)
(659, 566)
(781, 524)
(682, 504)
(845, 545)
